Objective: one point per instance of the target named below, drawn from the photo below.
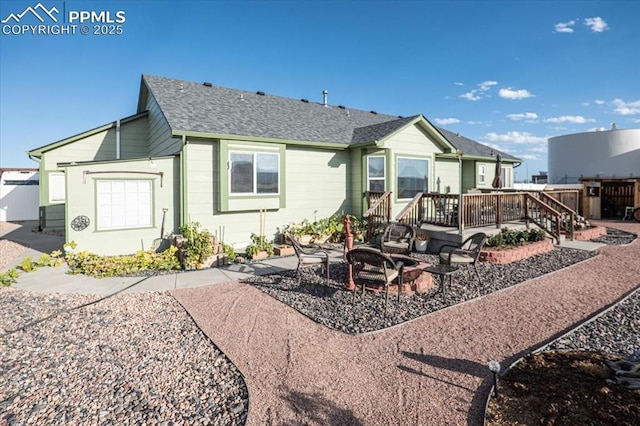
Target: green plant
(199, 244)
(508, 237)
(52, 260)
(9, 277)
(258, 243)
(229, 251)
(27, 265)
(91, 264)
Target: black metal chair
(310, 255)
(398, 238)
(466, 253)
(370, 267)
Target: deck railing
(493, 208)
(379, 211)
(434, 208)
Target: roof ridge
(262, 93)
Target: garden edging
(513, 254)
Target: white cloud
(529, 157)
(486, 85)
(635, 120)
(564, 27)
(457, 83)
(575, 119)
(477, 94)
(445, 121)
(599, 102)
(596, 24)
(475, 122)
(514, 94)
(515, 137)
(470, 96)
(626, 108)
(525, 116)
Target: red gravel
(431, 371)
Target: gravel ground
(329, 305)
(597, 335)
(9, 251)
(130, 359)
(140, 359)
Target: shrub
(258, 243)
(91, 264)
(229, 251)
(508, 237)
(9, 277)
(199, 246)
(27, 265)
(331, 227)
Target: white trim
(384, 172)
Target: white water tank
(602, 153)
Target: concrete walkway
(58, 280)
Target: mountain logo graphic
(34, 11)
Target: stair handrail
(385, 198)
(548, 209)
(568, 226)
(409, 208)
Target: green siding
(410, 142)
(447, 171)
(81, 200)
(161, 140)
(315, 187)
(468, 175)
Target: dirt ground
(558, 388)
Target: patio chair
(370, 267)
(466, 253)
(398, 238)
(309, 255)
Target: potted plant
(421, 242)
(259, 248)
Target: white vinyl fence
(19, 196)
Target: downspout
(184, 215)
(118, 139)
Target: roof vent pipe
(117, 139)
(325, 97)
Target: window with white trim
(376, 173)
(124, 204)
(482, 173)
(254, 173)
(413, 176)
(57, 192)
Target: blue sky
(506, 73)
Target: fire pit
(414, 278)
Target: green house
(218, 156)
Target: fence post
(498, 210)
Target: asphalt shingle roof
(190, 106)
(470, 147)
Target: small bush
(508, 237)
(27, 265)
(91, 264)
(9, 277)
(258, 244)
(199, 246)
